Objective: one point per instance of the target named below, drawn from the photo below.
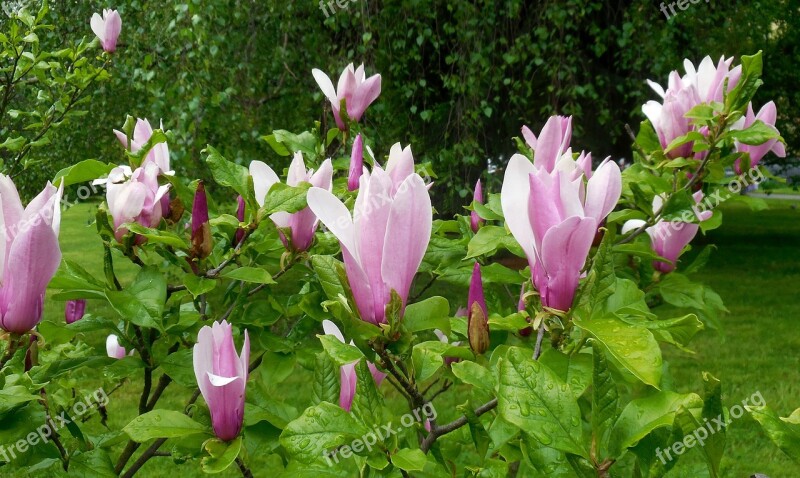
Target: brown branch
(438, 431)
(149, 453)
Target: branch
(246, 473)
(454, 425)
(149, 453)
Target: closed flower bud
(74, 310)
(478, 320)
(201, 229)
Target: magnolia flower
(222, 377)
(669, 238)
(384, 239)
(29, 254)
(141, 134)
(552, 143)
(357, 91)
(356, 163)
(134, 196)
(237, 238)
(708, 80)
(768, 114)
(303, 223)
(669, 119)
(74, 310)
(201, 229)
(347, 372)
(114, 349)
(107, 28)
(555, 215)
(475, 220)
(477, 314)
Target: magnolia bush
(325, 321)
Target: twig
(454, 425)
(149, 453)
(246, 473)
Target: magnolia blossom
(384, 239)
(240, 208)
(703, 84)
(134, 196)
(114, 349)
(347, 372)
(768, 114)
(303, 223)
(222, 377)
(477, 313)
(475, 220)
(201, 229)
(74, 310)
(552, 143)
(554, 215)
(356, 163)
(107, 28)
(707, 79)
(354, 88)
(141, 134)
(29, 254)
(669, 238)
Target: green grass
(756, 270)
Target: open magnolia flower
(303, 223)
(141, 135)
(134, 196)
(384, 239)
(29, 254)
(354, 88)
(554, 214)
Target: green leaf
(368, 403)
(678, 290)
(180, 368)
(631, 346)
(605, 398)
(409, 460)
(157, 236)
(749, 82)
(162, 424)
(326, 268)
(758, 133)
(249, 274)
(533, 398)
(643, 415)
(475, 375)
(318, 429)
(264, 405)
(600, 281)
(427, 358)
(326, 380)
(784, 432)
(143, 301)
(488, 240)
(83, 171)
(94, 463)
(282, 197)
(340, 352)
(15, 395)
(221, 454)
(197, 285)
(431, 313)
(305, 142)
(228, 174)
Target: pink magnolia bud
(478, 317)
(222, 377)
(240, 216)
(107, 28)
(201, 229)
(475, 220)
(32, 254)
(74, 310)
(114, 349)
(356, 163)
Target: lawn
(755, 269)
